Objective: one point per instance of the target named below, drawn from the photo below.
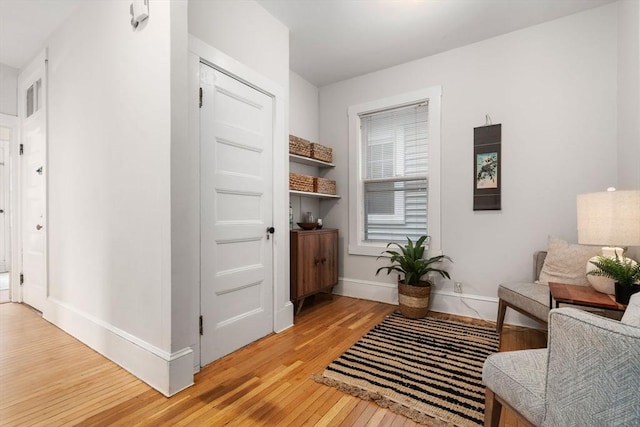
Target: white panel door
(32, 104)
(236, 183)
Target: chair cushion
(519, 378)
(566, 262)
(632, 313)
(530, 297)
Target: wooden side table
(585, 296)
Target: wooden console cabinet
(314, 263)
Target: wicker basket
(323, 185)
(413, 301)
(301, 182)
(299, 146)
(320, 152)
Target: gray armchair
(528, 298)
(588, 376)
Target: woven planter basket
(414, 300)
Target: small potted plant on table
(414, 288)
(624, 271)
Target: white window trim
(357, 245)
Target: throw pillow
(567, 262)
(632, 313)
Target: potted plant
(624, 271)
(413, 287)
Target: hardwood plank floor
(48, 378)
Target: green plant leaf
(410, 261)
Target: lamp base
(602, 284)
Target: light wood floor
(48, 378)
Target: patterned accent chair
(528, 298)
(588, 376)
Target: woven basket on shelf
(323, 185)
(320, 152)
(299, 146)
(300, 182)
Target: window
(34, 98)
(394, 188)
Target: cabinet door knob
(316, 261)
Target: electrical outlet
(457, 287)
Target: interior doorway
(8, 132)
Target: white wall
(553, 88)
(109, 188)
(245, 31)
(304, 121)
(184, 302)
(8, 90)
(304, 104)
(629, 95)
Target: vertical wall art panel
(487, 160)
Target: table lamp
(611, 219)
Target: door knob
(270, 230)
(38, 227)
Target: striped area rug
(429, 370)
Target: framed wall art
(487, 160)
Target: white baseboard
(476, 306)
(167, 372)
(283, 318)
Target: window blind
(395, 173)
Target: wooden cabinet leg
(299, 302)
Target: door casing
(13, 202)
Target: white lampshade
(609, 218)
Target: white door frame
(201, 51)
(13, 209)
(6, 196)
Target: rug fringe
(383, 402)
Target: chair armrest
(538, 262)
(593, 372)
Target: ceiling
(330, 40)
(333, 40)
(25, 25)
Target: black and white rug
(429, 370)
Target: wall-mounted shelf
(316, 195)
(309, 161)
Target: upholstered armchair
(588, 376)
(528, 298)
(562, 262)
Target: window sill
(377, 250)
(368, 250)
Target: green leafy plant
(409, 262)
(623, 270)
